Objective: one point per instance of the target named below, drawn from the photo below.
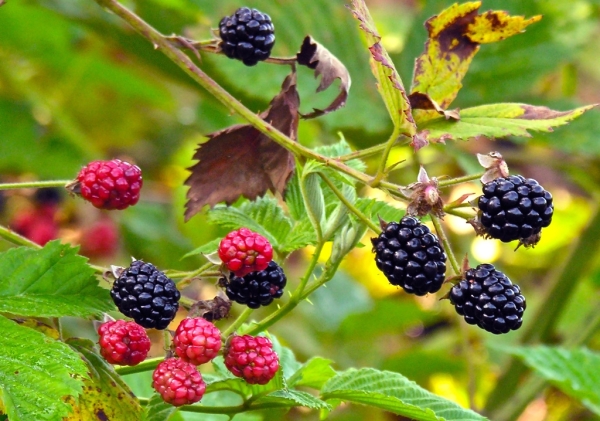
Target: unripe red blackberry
(410, 256)
(487, 298)
(122, 342)
(247, 35)
(145, 294)
(257, 288)
(515, 208)
(244, 251)
(197, 340)
(178, 382)
(109, 185)
(251, 358)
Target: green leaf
(339, 149)
(106, 395)
(207, 248)
(312, 193)
(293, 398)
(389, 83)
(376, 209)
(240, 386)
(37, 373)
(302, 234)
(158, 410)
(395, 393)
(575, 372)
(498, 120)
(293, 198)
(49, 282)
(314, 373)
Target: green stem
(202, 409)
(147, 365)
(361, 216)
(446, 243)
(384, 157)
(189, 277)
(459, 180)
(163, 44)
(14, 238)
(541, 327)
(458, 213)
(237, 323)
(372, 150)
(34, 184)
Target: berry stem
(16, 239)
(203, 409)
(446, 243)
(237, 323)
(373, 150)
(189, 276)
(381, 173)
(147, 365)
(361, 216)
(34, 184)
(459, 180)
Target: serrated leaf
(158, 410)
(37, 374)
(499, 120)
(338, 149)
(329, 67)
(293, 398)
(376, 209)
(293, 198)
(389, 83)
(314, 200)
(238, 385)
(575, 372)
(207, 248)
(287, 360)
(314, 373)
(395, 393)
(302, 235)
(106, 396)
(50, 282)
(453, 40)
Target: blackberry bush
(145, 294)
(410, 256)
(515, 208)
(247, 35)
(257, 288)
(488, 299)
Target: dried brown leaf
(325, 64)
(241, 161)
(421, 101)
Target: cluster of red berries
(196, 341)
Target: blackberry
(488, 299)
(515, 208)
(257, 288)
(410, 256)
(145, 294)
(247, 35)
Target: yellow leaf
(493, 26)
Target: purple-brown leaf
(329, 67)
(242, 161)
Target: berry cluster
(410, 256)
(247, 35)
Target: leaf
(395, 393)
(314, 373)
(106, 396)
(376, 209)
(158, 410)
(421, 101)
(454, 38)
(293, 398)
(389, 83)
(316, 57)
(207, 248)
(50, 282)
(229, 382)
(241, 161)
(499, 120)
(576, 372)
(37, 374)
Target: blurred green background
(76, 84)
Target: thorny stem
(384, 157)
(163, 44)
(364, 153)
(187, 279)
(34, 184)
(237, 323)
(459, 180)
(349, 205)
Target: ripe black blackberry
(145, 294)
(257, 288)
(515, 208)
(488, 299)
(247, 35)
(410, 256)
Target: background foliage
(76, 84)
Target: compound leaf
(575, 372)
(37, 374)
(49, 282)
(395, 393)
(498, 120)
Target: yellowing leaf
(454, 38)
(389, 83)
